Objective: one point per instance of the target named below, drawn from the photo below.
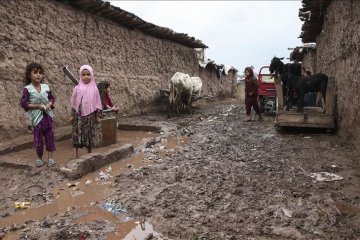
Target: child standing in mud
(86, 106)
(38, 101)
(251, 94)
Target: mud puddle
(85, 194)
(82, 195)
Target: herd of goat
(185, 89)
(292, 80)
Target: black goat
(278, 67)
(313, 83)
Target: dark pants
(45, 130)
(251, 101)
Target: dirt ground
(213, 176)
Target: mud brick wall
(55, 34)
(338, 55)
(223, 88)
(309, 61)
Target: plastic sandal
(39, 162)
(51, 163)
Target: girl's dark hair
(107, 84)
(29, 68)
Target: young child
(37, 100)
(107, 103)
(86, 106)
(251, 94)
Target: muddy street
(210, 176)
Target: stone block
(77, 168)
(105, 132)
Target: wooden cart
(311, 117)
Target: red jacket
(251, 83)
(107, 101)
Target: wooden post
(279, 93)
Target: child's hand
(250, 94)
(42, 107)
(48, 106)
(97, 119)
(71, 120)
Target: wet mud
(213, 177)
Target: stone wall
(338, 55)
(55, 34)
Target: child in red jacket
(251, 94)
(107, 102)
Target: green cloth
(36, 115)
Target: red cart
(267, 91)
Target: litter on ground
(325, 177)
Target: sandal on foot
(39, 162)
(51, 163)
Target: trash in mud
(287, 212)
(48, 197)
(325, 177)
(108, 170)
(104, 176)
(22, 205)
(186, 132)
(88, 182)
(114, 207)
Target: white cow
(182, 88)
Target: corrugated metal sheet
(131, 21)
(312, 13)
